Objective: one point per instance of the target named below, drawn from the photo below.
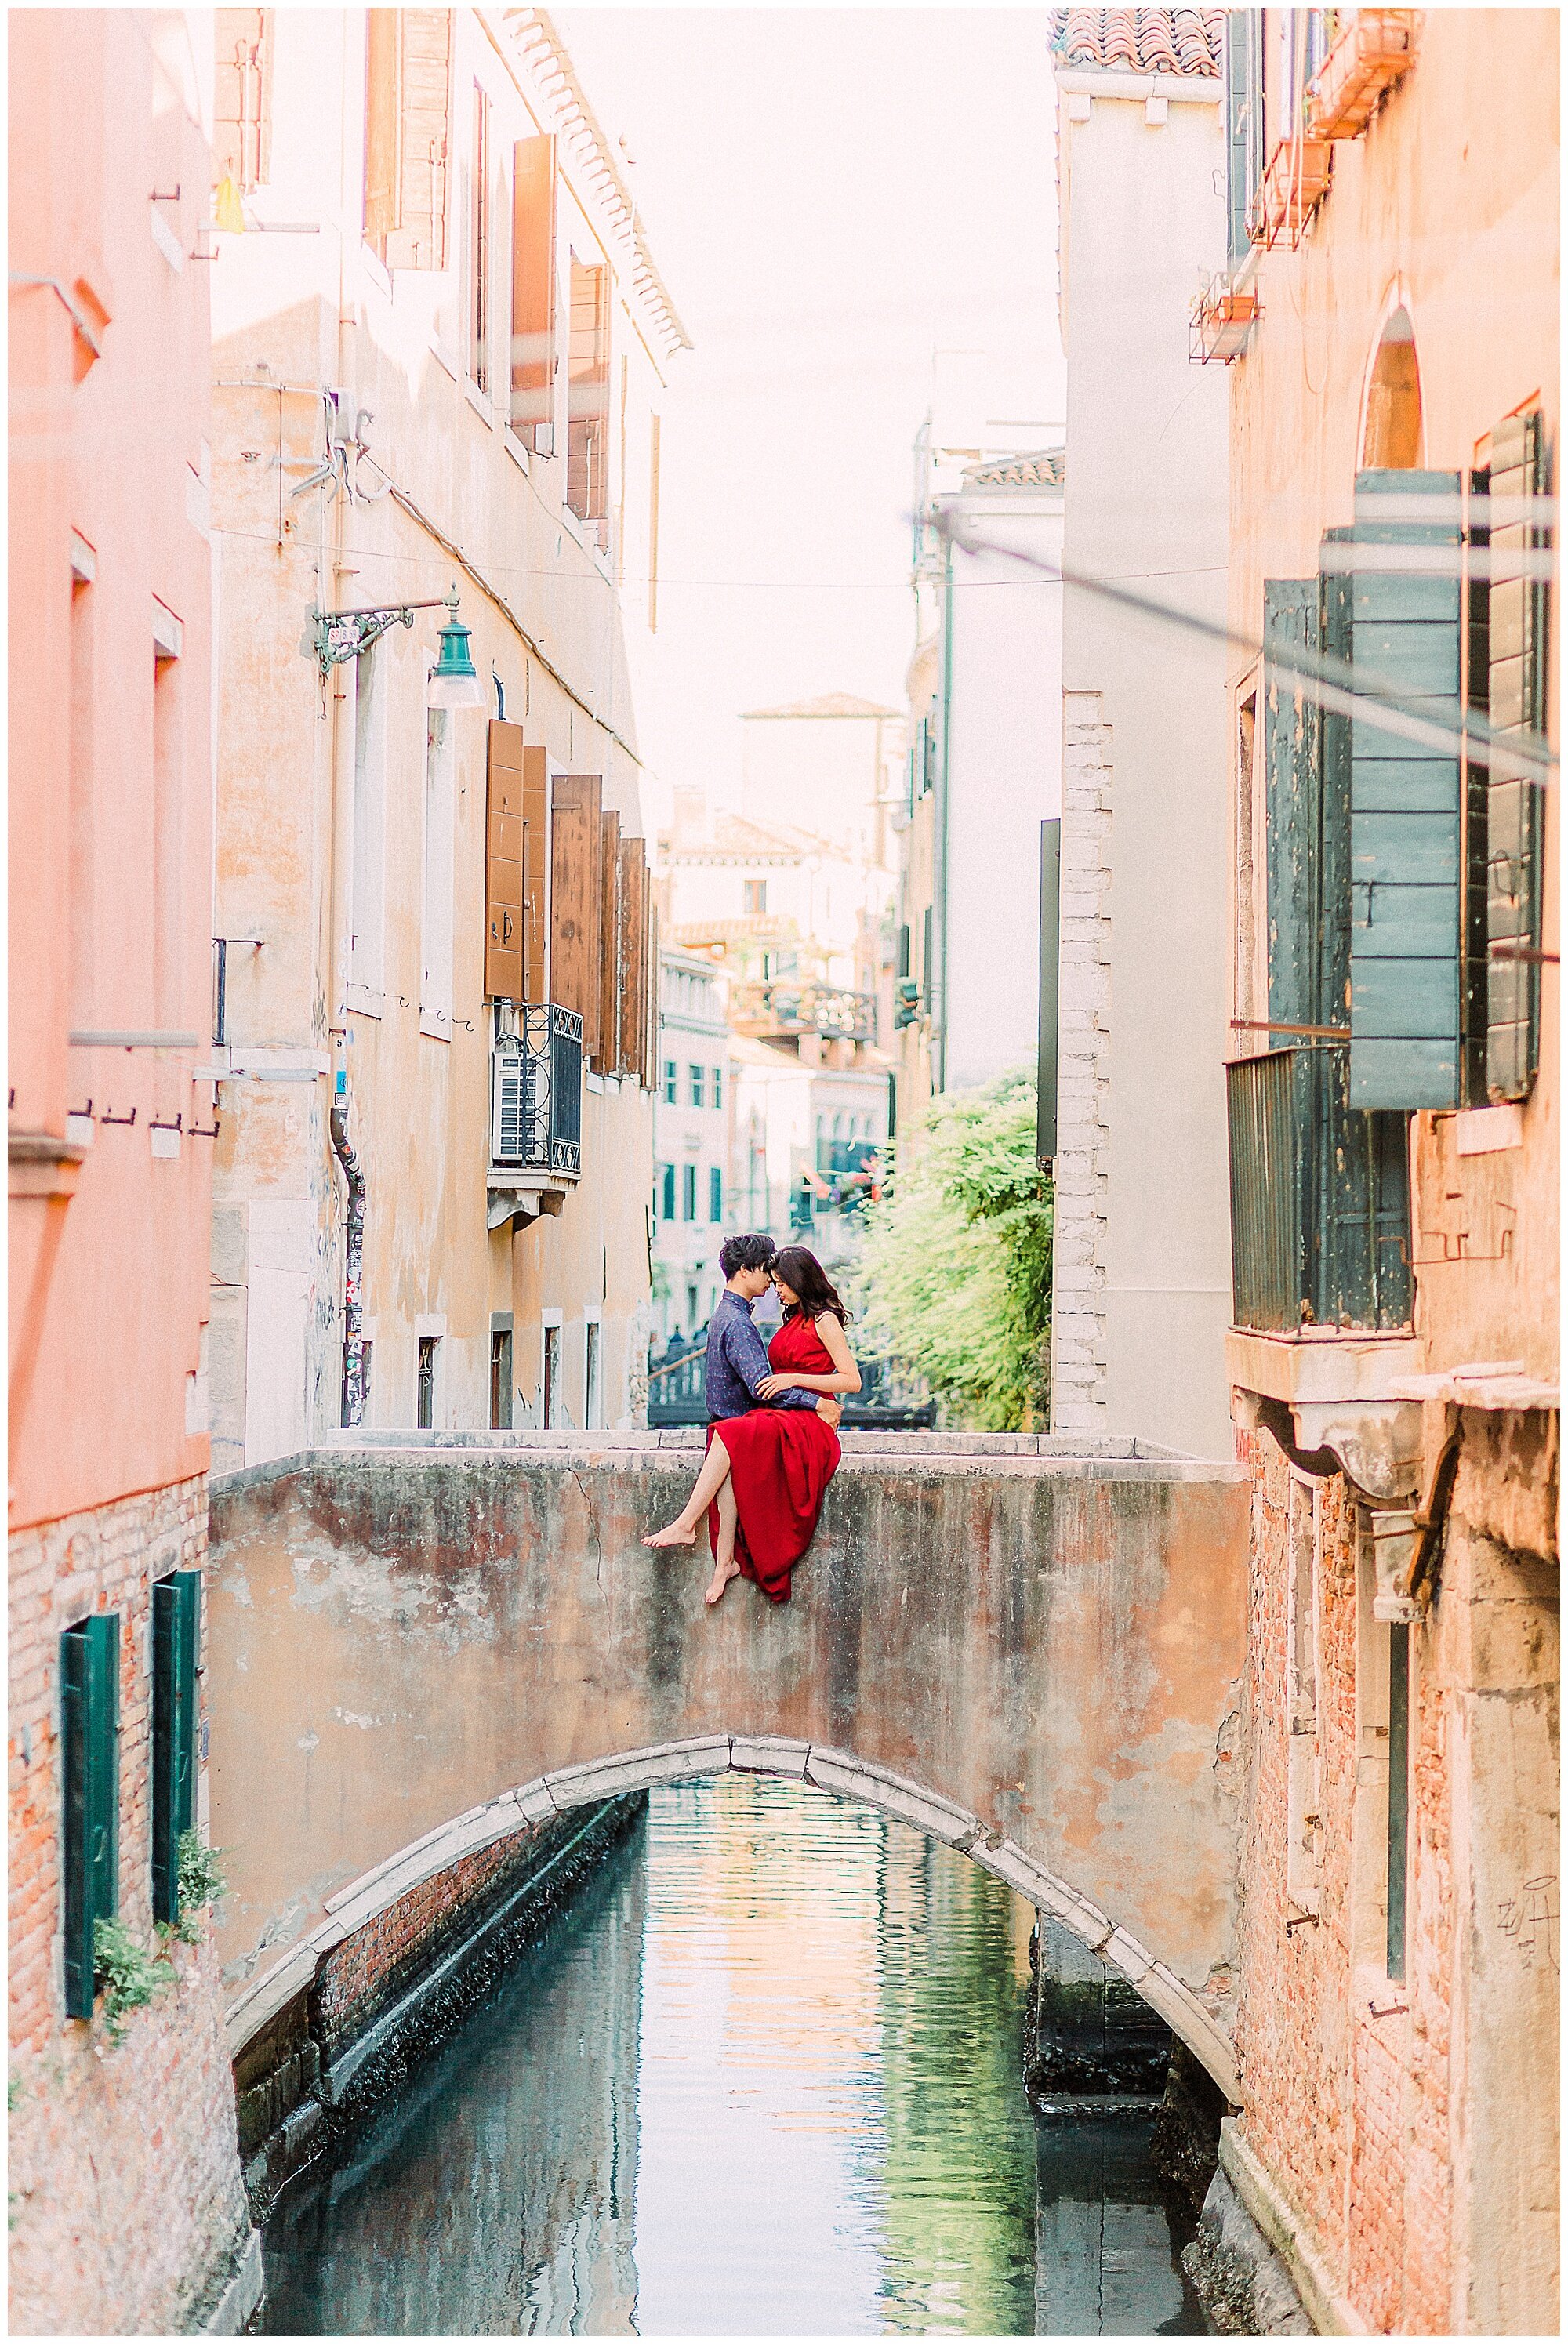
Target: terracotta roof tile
(1189, 43)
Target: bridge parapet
(419, 1643)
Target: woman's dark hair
(804, 1275)
(745, 1253)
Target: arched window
(1392, 441)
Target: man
(737, 1358)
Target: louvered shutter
(577, 898)
(1404, 629)
(535, 874)
(634, 954)
(383, 63)
(419, 239)
(608, 1058)
(1243, 27)
(1516, 699)
(1292, 781)
(176, 1615)
(90, 1786)
(533, 411)
(503, 862)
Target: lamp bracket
(334, 636)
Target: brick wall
(1083, 1077)
(128, 2209)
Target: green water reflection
(763, 2079)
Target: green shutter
(90, 1740)
(176, 1616)
(1292, 785)
(1242, 61)
(1399, 1797)
(1516, 697)
(1405, 866)
(1050, 956)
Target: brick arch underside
(840, 1772)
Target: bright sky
(831, 194)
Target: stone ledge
(1260, 2193)
(231, 2315)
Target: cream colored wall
(420, 1104)
(1449, 202)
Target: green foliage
(955, 1275)
(200, 1882)
(127, 1977)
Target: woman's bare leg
(714, 1475)
(725, 1567)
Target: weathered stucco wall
(1045, 1650)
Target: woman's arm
(845, 1376)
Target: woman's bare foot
(675, 1533)
(722, 1574)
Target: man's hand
(830, 1410)
(770, 1386)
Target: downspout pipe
(353, 1284)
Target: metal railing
(536, 1094)
(888, 1400)
(1319, 1199)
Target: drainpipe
(353, 1289)
(943, 800)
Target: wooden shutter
(1292, 781)
(608, 1058)
(90, 1734)
(588, 391)
(177, 1614)
(1516, 704)
(503, 967)
(1404, 629)
(650, 1001)
(1243, 91)
(576, 897)
(242, 97)
(632, 953)
(408, 134)
(535, 874)
(533, 411)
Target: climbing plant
(129, 1977)
(201, 1883)
(955, 1274)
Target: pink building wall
(110, 814)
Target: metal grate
(536, 1094)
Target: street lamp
(334, 636)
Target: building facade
(441, 346)
(1140, 1288)
(127, 2213)
(809, 1141)
(1389, 316)
(984, 767)
(692, 1107)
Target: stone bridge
(1030, 1648)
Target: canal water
(762, 2078)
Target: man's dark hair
(745, 1253)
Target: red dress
(781, 1462)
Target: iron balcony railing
(536, 1094)
(1319, 1199)
(796, 1005)
(888, 1399)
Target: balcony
(1222, 318)
(1289, 192)
(1376, 47)
(785, 1008)
(536, 1113)
(1320, 1200)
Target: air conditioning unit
(512, 1102)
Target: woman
(767, 1472)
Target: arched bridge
(1030, 1648)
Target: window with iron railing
(536, 1098)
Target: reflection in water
(763, 2078)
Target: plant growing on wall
(127, 1977)
(955, 1274)
(201, 1883)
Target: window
(718, 1086)
(1303, 1876)
(532, 409)
(368, 875)
(754, 895)
(697, 1076)
(501, 1386)
(436, 926)
(715, 1193)
(344, 1416)
(176, 1627)
(408, 87)
(688, 1192)
(592, 1399)
(1399, 1794)
(168, 838)
(670, 1080)
(479, 244)
(667, 1193)
(425, 1412)
(1243, 123)
(588, 394)
(552, 1392)
(90, 1788)
(83, 925)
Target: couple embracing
(773, 1436)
